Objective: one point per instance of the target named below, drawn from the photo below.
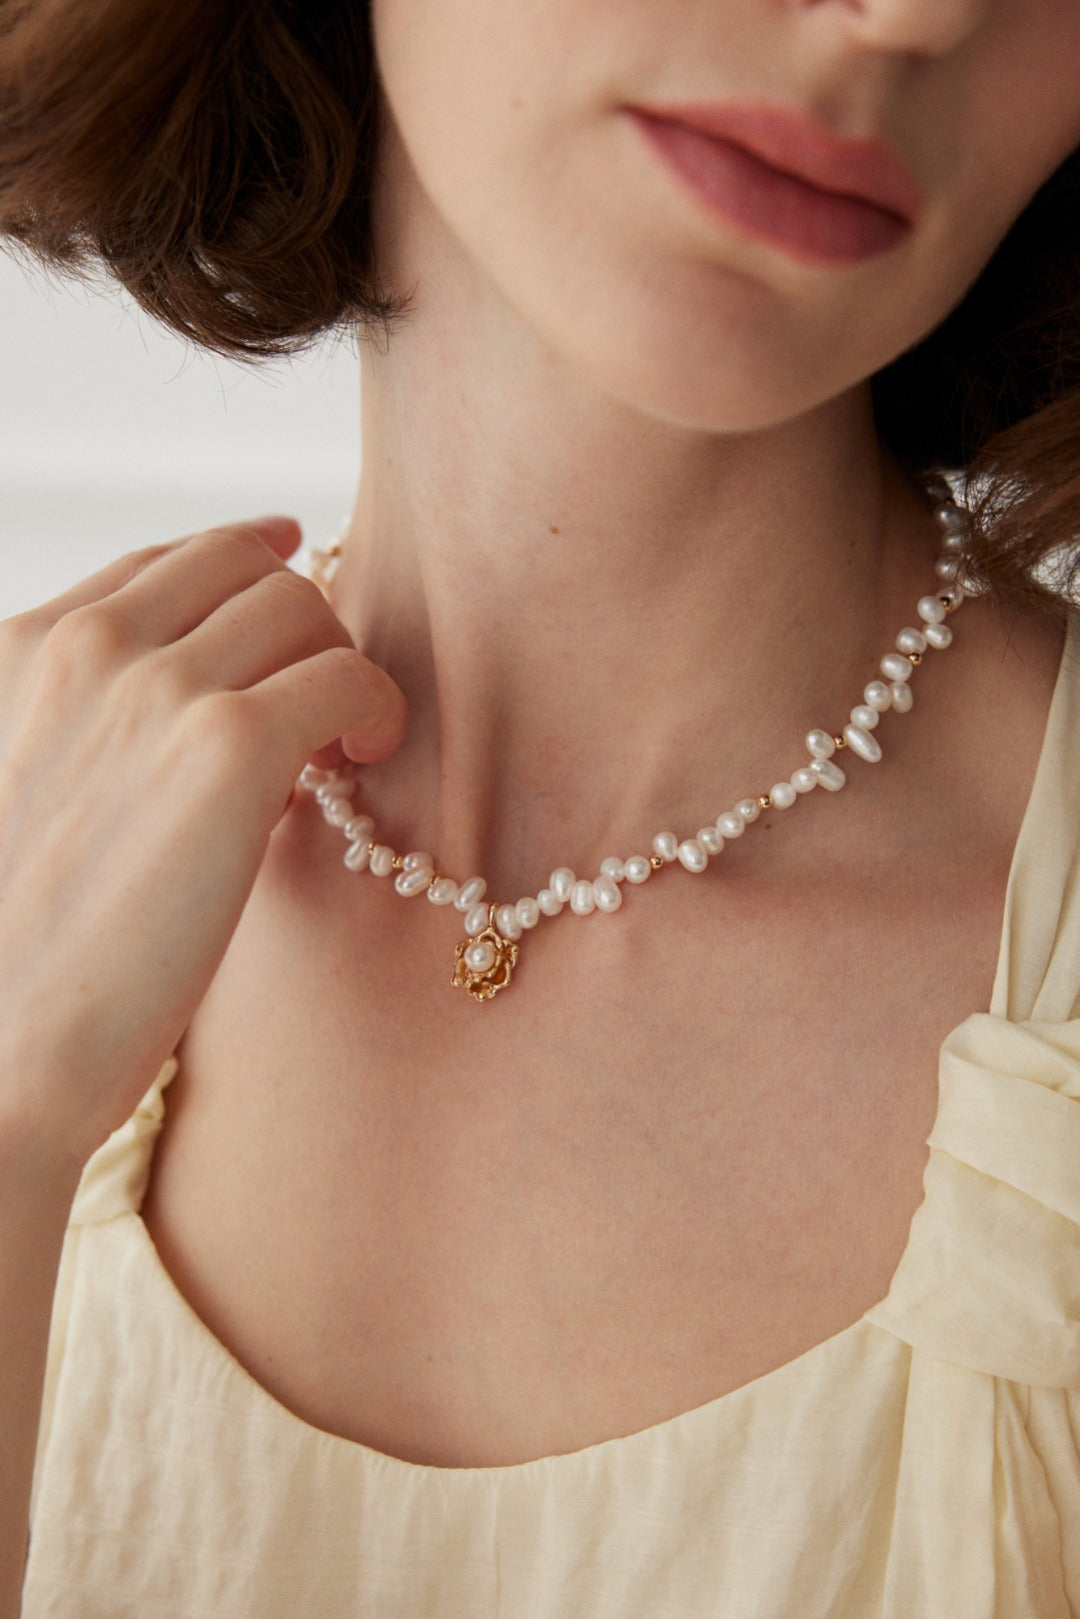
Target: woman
(590, 1291)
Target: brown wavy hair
(217, 158)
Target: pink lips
(823, 198)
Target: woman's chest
(470, 1242)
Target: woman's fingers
(281, 534)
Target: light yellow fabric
(922, 1464)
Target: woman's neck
(604, 625)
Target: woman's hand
(153, 720)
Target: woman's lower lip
(815, 226)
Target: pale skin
(624, 534)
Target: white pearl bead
(638, 868)
(382, 860)
(476, 920)
(361, 826)
(528, 912)
(957, 593)
(548, 902)
(443, 891)
(666, 845)
(412, 882)
(783, 794)
(710, 839)
(895, 666)
(803, 780)
(692, 855)
(877, 694)
(338, 811)
(582, 899)
(939, 635)
(419, 858)
(731, 824)
(864, 716)
(829, 774)
(480, 955)
(471, 893)
(607, 894)
(747, 809)
(911, 640)
(507, 922)
(820, 744)
(947, 568)
(861, 742)
(930, 609)
(310, 778)
(902, 698)
(949, 517)
(612, 867)
(335, 786)
(954, 543)
(561, 882)
(357, 855)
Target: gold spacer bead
(397, 862)
(656, 861)
(764, 801)
(914, 658)
(841, 741)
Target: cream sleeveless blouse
(924, 1463)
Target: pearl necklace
(485, 959)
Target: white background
(115, 435)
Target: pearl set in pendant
(486, 957)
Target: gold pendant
(483, 965)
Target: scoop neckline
(668, 1427)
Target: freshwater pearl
(950, 518)
(939, 635)
(930, 609)
(829, 775)
(895, 666)
(528, 912)
(582, 899)
(638, 868)
(820, 744)
(877, 695)
(310, 778)
(902, 698)
(947, 567)
(338, 811)
(508, 922)
(731, 824)
(416, 860)
(548, 902)
(803, 780)
(471, 893)
(607, 894)
(748, 809)
(911, 640)
(710, 839)
(692, 855)
(412, 882)
(361, 826)
(864, 716)
(476, 920)
(382, 860)
(443, 891)
(561, 882)
(666, 845)
(357, 855)
(783, 794)
(861, 742)
(335, 786)
(480, 955)
(612, 867)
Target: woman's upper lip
(864, 168)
